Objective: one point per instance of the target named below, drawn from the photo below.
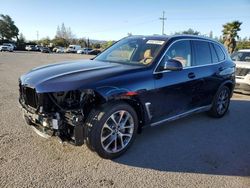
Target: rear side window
(219, 52)
(202, 53)
(215, 58)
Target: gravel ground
(197, 151)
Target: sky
(114, 19)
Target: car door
(175, 91)
(206, 66)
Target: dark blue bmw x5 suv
(139, 81)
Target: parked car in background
(60, 50)
(139, 81)
(73, 48)
(38, 47)
(30, 48)
(55, 48)
(45, 50)
(84, 50)
(94, 52)
(242, 61)
(87, 50)
(7, 47)
(80, 51)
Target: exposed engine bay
(59, 114)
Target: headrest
(147, 54)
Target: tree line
(65, 37)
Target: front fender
(112, 92)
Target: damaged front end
(59, 114)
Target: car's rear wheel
(221, 102)
(111, 129)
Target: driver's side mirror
(173, 64)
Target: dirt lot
(193, 152)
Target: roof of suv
(167, 37)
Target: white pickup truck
(73, 48)
(242, 61)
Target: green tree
(82, 42)
(96, 45)
(230, 34)
(21, 42)
(64, 32)
(45, 41)
(60, 42)
(243, 45)
(22, 38)
(8, 29)
(188, 32)
(211, 34)
(64, 36)
(107, 44)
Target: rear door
(206, 66)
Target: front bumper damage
(67, 127)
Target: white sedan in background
(7, 47)
(60, 50)
(84, 50)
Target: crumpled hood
(71, 75)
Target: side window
(213, 53)
(180, 51)
(202, 53)
(219, 52)
(247, 56)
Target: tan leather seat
(147, 57)
(182, 60)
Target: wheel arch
(138, 107)
(128, 97)
(228, 84)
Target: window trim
(211, 46)
(195, 53)
(158, 63)
(217, 52)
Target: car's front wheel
(221, 102)
(111, 129)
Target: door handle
(191, 75)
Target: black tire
(98, 118)
(218, 109)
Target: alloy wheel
(117, 131)
(223, 101)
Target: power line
(163, 18)
(121, 27)
(37, 35)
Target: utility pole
(37, 36)
(163, 18)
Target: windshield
(241, 56)
(133, 51)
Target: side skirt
(193, 111)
